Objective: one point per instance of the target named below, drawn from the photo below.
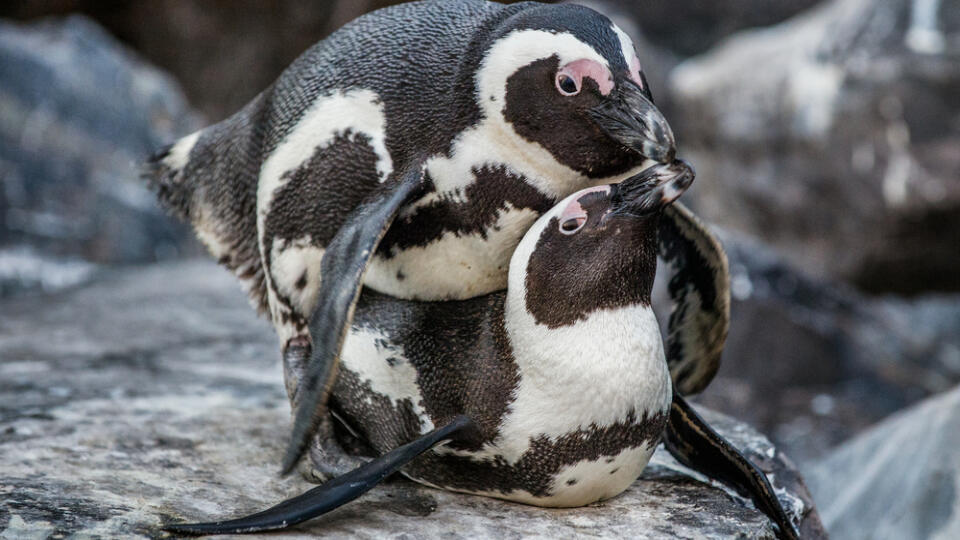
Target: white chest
(591, 374)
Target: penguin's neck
(592, 372)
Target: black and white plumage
(409, 152)
(554, 392)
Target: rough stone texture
(813, 363)
(78, 113)
(836, 136)
(898, 480)
(155, 394)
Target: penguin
(553, 392)
(409, 152)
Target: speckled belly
(579, 468)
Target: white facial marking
(384, 366)
(626, 45)
(629, 55)
(520, 48)
(179, 153)
(499, 142)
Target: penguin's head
(566, 79)
(596, 249)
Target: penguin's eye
(572, 225)
(567, 85)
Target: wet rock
(812, 363)
(897, 480)
(78, 113)
(835, 136)
(155, 394)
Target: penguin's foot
(328, 458)
(296, 353)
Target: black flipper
(700, 290)
(334, 493)
(695, 444)
(343, 267)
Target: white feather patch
(179, 153)
(208, 229)
(292, 260)
(383, 365)
(461, 266)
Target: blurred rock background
(826, 136)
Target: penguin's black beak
(629, 117)
(652, 189)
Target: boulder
(154, 394)
(813, 363)
(835, 137)
(899, 480)
(78, 113)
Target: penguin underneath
(409, 152)
(554, 392)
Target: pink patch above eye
(574, 210)
(580, 69)
(635, 71)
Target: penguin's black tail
(165, 173)
(209, 180)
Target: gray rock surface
(155, 394)
(900, 480)
(78, 113)
(836, 137)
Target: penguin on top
(409, 152)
